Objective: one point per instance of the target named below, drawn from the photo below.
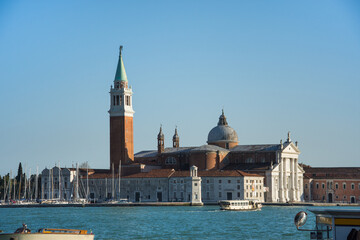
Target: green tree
(20, 172)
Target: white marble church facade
(284, 180)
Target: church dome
(222, 132)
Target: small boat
(239, 205)
(332, 223)
(24, 233)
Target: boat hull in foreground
(24, 233)
(45, 236)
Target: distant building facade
(168, 185)
(332, 185)
(277, 163)
(57, 183)
(224, 169)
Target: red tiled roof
(227, 173)
(156, 173)
(166, 173)
(332, 173)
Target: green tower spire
(120, 71)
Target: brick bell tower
(121, 119)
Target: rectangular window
(337, 186)
(219, 194)
(344, 185)
(127, 100)
(238, 181)
(229, 181)
(317, 186)
(219, 181)
(352, 186)
(238, 194)
(323, 186)
(305, 185)
(238, 186)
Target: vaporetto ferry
(239, 205)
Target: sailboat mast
(52, 184)
(29, 190)
(14, 192)
(25, 186)
(42, 190)
(20, 186)
(4, 187)
(87, 181)
(59, 182)
(10, 184)
(36, 182)
(77, 182)
(49, 185)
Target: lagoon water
(206, 222)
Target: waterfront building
(277, 163)
(57, 183)
(225, 169)
(168, 185)
(332, 185)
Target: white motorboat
(239, 205)
(24, 233)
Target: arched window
(170, 161)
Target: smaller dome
(222, 132)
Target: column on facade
(281, 184)
(293, 180)
(297, 187)
(285, 182)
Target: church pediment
(290, 148)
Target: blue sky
(274, 66)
